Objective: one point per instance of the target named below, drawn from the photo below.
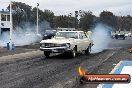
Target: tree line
(83, 20)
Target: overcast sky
(64, 7)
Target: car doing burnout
(71, 42)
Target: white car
(67, 41)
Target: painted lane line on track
(113, 70)
(117, 70)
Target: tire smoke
(101, 38)
(24, 35)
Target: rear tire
(123, 38)
(46, 54)
(116, 36)
(88, 50)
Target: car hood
(58, 40)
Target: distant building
(4, 21)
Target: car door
(79, 41)
(85, 41)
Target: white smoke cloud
(24, 36)
(19, 39)
(101, 38)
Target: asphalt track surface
(61, 71)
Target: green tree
(64, 21)
(21, 12)
(24, 13)
(86, 20)
(108, 18)
(125, 22)
(47, 15)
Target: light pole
(76, 20)
(69, 16)
(10, 26)
(37, 17)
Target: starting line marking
(121, 68)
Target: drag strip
(39, 72)
(61, 71)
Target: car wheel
(46, 54)
(88, 50)
(123, 38)
(73, 53)
(116, 37)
